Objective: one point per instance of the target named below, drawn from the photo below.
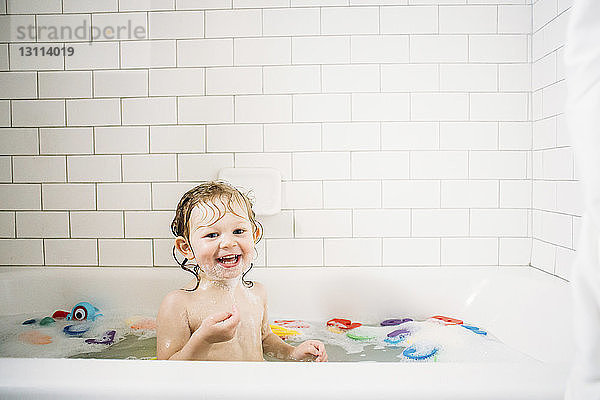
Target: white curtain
(582, 61)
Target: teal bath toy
(395, 340)
(83, 311)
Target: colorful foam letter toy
(398, 332)
(448, 320)
(344, 324)
(77, 329)
(292, 323)
(475, 329)
(419, 352)
(360, 338)
(34, 337)
(283, 332)
(107, 338)
(395, 321)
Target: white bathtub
(525, 308)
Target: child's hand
(311, 350)
(219, 327)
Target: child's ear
(257, 233)
(184, 247)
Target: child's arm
(175, 341)
(274, 346)
(173, 332)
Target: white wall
(402, 129)
(557, 206)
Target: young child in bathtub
(220, 316)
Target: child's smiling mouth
(229, 261)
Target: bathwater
(135, 338)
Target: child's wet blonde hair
(219, 197)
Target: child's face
(223, 249)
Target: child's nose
(227, 241)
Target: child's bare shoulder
(173, 300)
(177, 299)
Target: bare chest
(247, 341)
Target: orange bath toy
(34, 337)
(448, 320)
(145, 323)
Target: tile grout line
(531, 109)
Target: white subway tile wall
(406, 132)
(556, 203)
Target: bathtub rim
(67, 378)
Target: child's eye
(210, 235)
(239, 231)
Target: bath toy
(107, 338)
(419, 354)
(343, 323)
(60, 314)
(392, 322)
(145, 323)
(398, 332)
(397, 336)
(83, 311)
(47, 321)
(359, 337)
(29, 321)
(475, 329)
(395, 340)
(334, 329)
(292, 323)
(132, 320)
(448, 320)
(76, 330)
(283, 332)
(34, 337)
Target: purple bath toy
(107, 338)
(398, 332)
(392, 322)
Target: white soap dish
(262, 184)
